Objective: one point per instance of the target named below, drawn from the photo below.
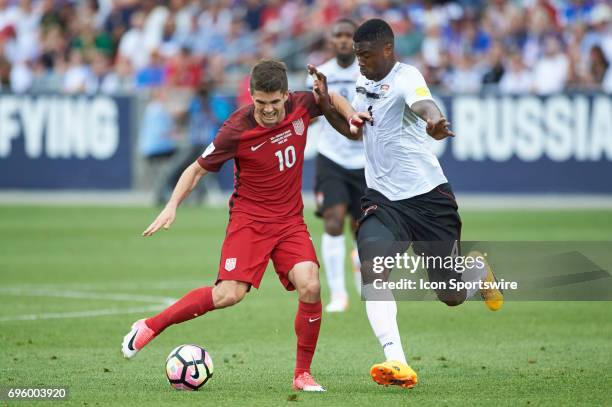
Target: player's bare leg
(333, 251)
(305, 277)
(493, 297)
(228, 293)
(193, 304)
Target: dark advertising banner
(528, 144)
(53, 142)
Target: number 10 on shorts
(286, 159)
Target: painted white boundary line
(81, 314)
(85, 295)
(159, 301)
(107, 285)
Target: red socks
(307, 326)
(199, 301)
(193, 304)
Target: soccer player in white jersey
(340, 181)
(408, 199)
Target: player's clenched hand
(357, 120)
(164, 219)
(439, 129)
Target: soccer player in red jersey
(266, 140)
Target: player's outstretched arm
(186, 183)
(355, 120)
(437, 125)
(338, 112)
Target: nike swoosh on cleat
(313, 319)
(131, 343)
(254, 148)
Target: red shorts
(249, 245)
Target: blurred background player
(206, 112)
(340, 181)
(408, 199)
(266, 140)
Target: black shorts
(430, 222)
(429, 217)
(337, 185)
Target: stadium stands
(123, 46)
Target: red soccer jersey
(267, 161)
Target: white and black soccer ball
(188, 367)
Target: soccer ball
(188, 367)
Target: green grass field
(60, 263)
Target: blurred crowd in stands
(189, 59)
(123, 46)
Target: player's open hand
(165, 219)
(439, 129)
(319, 85)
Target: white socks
(356, 268)
(333, 252)
(382, 316)
(471, 275)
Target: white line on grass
(81, 314)
(114, 285)
(85, 294)
(159, 303)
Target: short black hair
(345, 20)
(374, 30)
(269, 75)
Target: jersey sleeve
(413, 86)
(307, 100)
(222, 148)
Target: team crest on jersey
(298, 126)
(230, 264)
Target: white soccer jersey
(398, 164)
(333, 145)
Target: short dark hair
(374, 30)
(269, 75)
